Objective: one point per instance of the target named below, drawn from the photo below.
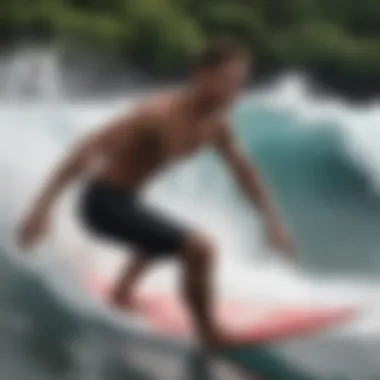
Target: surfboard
(250, 324)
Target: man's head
(221, 70)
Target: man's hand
(32, 228)
(279, 238)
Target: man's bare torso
(159, 133)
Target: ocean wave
(320, 180)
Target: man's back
(159, 132)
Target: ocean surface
(318, 156)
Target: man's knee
(199, 248)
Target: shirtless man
(132, 149)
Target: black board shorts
(111, 212)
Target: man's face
(223, 84)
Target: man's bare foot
(218, 340)
(123, 301)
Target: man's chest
(186, 138)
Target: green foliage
(162, 34)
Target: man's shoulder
(222, 122)
(153, 109)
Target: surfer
(124, 155)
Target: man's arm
(35, 222)
(76, 161)
(250, 181)
(97, 145)
(245, 173)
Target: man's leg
(197, 287)
(122, 295)
(159, 235)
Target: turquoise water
(319, 159)
(328, 201)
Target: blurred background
(310, 120)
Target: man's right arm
(98, 144)
(36, 221)
(77, 161)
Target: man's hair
(219, 51)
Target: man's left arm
(249, 180)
